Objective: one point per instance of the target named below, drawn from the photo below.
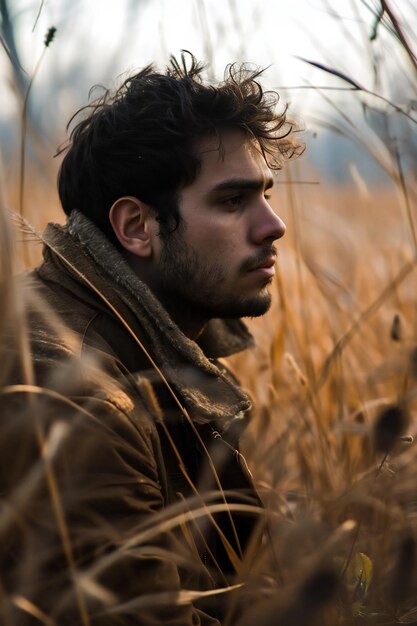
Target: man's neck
(188, 321)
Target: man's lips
(266, 267)
(261, 263)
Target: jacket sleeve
(81, 508)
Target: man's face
(220, 261)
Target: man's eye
(267, 196)
(233, 201)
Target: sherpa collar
(207, 392)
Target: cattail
(388, 427)
(49, 37)
(396, 328)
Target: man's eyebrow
(243, 183)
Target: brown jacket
(111, 446)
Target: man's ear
(134, 225)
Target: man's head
(151, 166)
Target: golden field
(336, 351)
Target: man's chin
(250, 307)
(258, 307)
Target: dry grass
(339, 508)
(336, 351)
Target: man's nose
(268, 226)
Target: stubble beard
(199, 287)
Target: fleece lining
(208, 392)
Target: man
(137, 489)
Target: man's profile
(170, 240)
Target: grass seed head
(396, 328)
(389, 426)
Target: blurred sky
(141, 31)
(98, 40)
(109, 37)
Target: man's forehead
(232, 156)
(224, 142)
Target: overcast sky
(111, 36)
(97, 40)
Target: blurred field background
(334, 374)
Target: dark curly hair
(140, 140)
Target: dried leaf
(363, 573)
